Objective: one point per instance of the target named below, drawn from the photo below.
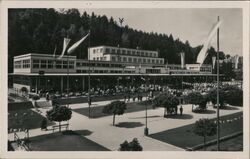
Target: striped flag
(65, 45)
(54, 55)
(75, 45)
(203, 53)
(213, 61)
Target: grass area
(26, 118)
(233, 144)
(96, 112)
(64, 141)
(185, 138)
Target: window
(113, 58)
(150, 54)
(65, 64)
(135, 60)
(124, 59)
(129, 59)
(58, 64)
(144, 60)
(148, 60)
(93, 58)
(36, 63)
(17, 64)
(129, 52)
(97, 58)
(101, 50)
(157, 61)
(26, 63)
(71, 64)
(50, 64)
(142, 53)
(43, 63)
(146, 54)
(107, 50)
(123, 51)
(138, 53)
(153, 61)
(94, 51)
(113, 50)
(133, 52)
(118, 51)
(139, 60)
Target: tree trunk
(59, 126)
(113, 119)
(165, 109)
(204, 143)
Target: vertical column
(83, 83)
(61, 84)
(36, 85)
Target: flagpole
(89, 97)
(218, 78)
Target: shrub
(134, 145)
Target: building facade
(43, 71)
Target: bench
(66, 126)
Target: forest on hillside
(41, 30)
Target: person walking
(181, 110)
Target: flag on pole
(182, 60)
(54, 55)
(203, 53)
(213, 61)
(65, 45)
(75, 45)
(236, 61)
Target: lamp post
(146, 114)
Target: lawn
(185, 138)
(234, 144)
(26, 118)
(64, 141)
(96, 112)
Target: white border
(121, 4)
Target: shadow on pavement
(205, 112)
(152, 116)
(129, 124)
(183, 116)
(229, 108)
(83, 132)
(77, 132)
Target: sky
(189, 24)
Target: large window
(43, 63)
(148, 60)
(58, 64)
(107, 50)
(17, 64)
(65, 64)
(35, 63)
(50, 63)
(26, 63)
(113, 58)
(129, 59)
(124, 59)
(113, 51)
(135, 60)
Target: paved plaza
(130, 125)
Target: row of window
(52, 64)
(79, 64)
(104, 71)
(136, 60)
(125, 52)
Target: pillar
(61, 84)
(83, 83)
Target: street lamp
(146, 114)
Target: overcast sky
(186, 24)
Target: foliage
(234, 95)
(134, 145)
(59, 113)
(115, 108)
(35, 97)
(44, 123)
(205, 127)
(167, 101)
(212, 96)
(195, 98)
(40, 30)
